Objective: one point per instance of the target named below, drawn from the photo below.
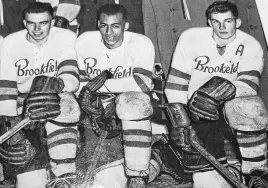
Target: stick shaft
(14, 129)
(96, 156)
(217, 164)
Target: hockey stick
(71, 109)
(224, 171)
(90, 171)
(14, 129)
(215, 163)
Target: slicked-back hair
(112, 9)
(38, 7)
(221, 7)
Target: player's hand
(99, 80)
(202, 106)
(46, 84)
(43, 106)
(89, 102)
(43, 102)
(108, 122)
(205, 102)
(219, 88)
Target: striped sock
(253, 148)
(137, 138)
(231, 149)
(62, 145)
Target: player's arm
(8, 83)
(83, 77)
(141, 80)
(68, 68)
(179, 75)
(249, 71)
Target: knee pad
(131, 106)
(69, 107)
(32, 179)
(246, 113)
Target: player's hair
(112, 9)
(221, 7)
(38, 7)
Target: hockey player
(118, 63)
(65, 12)
(38, 76)
(211, 66)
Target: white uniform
(1, 40)
(131, 65)
(196, 60)
(21, 62)
(133, 57)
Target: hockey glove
(206, 101)
(99, 80)
(43, 102)
(15, 155)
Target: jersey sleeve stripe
(68, 63)
(83, 76)
(8, 84)
(68, 68)
(177, 73)
(251, 84)
(250, 73)
(8, 97)
(70, 73)
(82, 72)
(141, 84)
(8, 91)
(178, 87)
(83, 79)
(143, 72)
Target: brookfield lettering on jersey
(23, 70)
(202, 62)
(118, 72)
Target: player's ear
(209, 22)
(238, 23)
(98, 24)
(24, 23)
(126, 26)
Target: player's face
(112, 29)
(38, 26)
(224, 25)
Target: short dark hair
(38, 7)
(112, 9)
(221, 7)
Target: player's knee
(246, 113)
(133, 106)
